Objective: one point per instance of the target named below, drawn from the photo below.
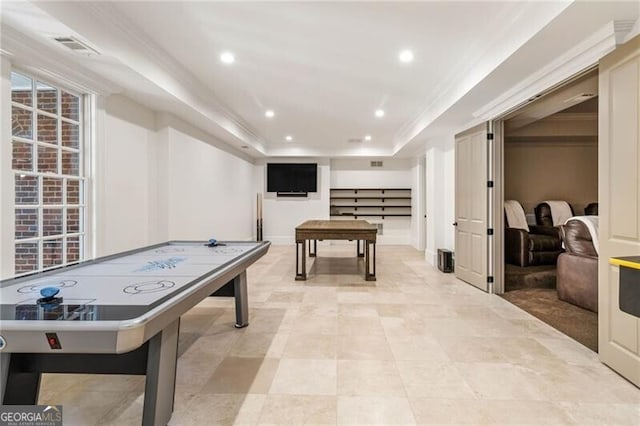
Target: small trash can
(445, 260)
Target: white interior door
(619, 198)
(471, 206)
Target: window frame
(85, 100)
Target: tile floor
(414, 347)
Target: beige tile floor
(415, 347)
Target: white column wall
(418, 227)
(210, 190)
(395, 173)
(440, 198)
(282, 214)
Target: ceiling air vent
(76, 45)
(354, 140)
(376, 164)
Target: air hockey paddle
(213, 243)
(49, 296)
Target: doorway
(549, 154)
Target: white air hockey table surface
(118, 314)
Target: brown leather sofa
(591, 209)
(577, 276)
(539, 246)
(543, 215)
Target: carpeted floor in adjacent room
(543, 303)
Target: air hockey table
(118, 314)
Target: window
(47, 142)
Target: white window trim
(86, 123)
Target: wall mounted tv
(292, 178)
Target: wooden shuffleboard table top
(336, 230)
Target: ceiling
(322, 67)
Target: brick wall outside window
(49, 179)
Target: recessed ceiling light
(288, 138)
(367, 138)
(269, 113)
(227, 57)
(379, 113)
(405, 56)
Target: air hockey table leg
(242, 305)
(160, 382)
(20, 386)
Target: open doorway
(550, 176)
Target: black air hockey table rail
(119, 314)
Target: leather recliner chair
(539, 246)
(544, 217)
(591, 209)
(577, 276)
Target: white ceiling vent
(376, 164)
(76, 45)
(354, 140)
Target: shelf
(368, 197)
(384, 206)
(369, 208)
(371, 214)
(370, 189)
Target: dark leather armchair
(544, 217)
(591, 209)
(539, 246)
(577, 277)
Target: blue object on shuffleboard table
(212, 242)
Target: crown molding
(44, 61)
(459, 83)
(177, 81)
(579, 58)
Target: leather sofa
(591, 209)
(577, 275)
(543, 215)
(539, 246)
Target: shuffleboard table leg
(241, 296)
(160, 385)
(370, 260)
(301, 260)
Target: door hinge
(489, 184)
(490, 136)
(490, 231)
(490, 279)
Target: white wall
(418, 223)
(440, 198)
(395, 173)
(158, 179)
(210, 190)
(7, 222)
(282, 214)
(125, 154)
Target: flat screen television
(292, 177)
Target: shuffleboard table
(314, 230)
(115, 315)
